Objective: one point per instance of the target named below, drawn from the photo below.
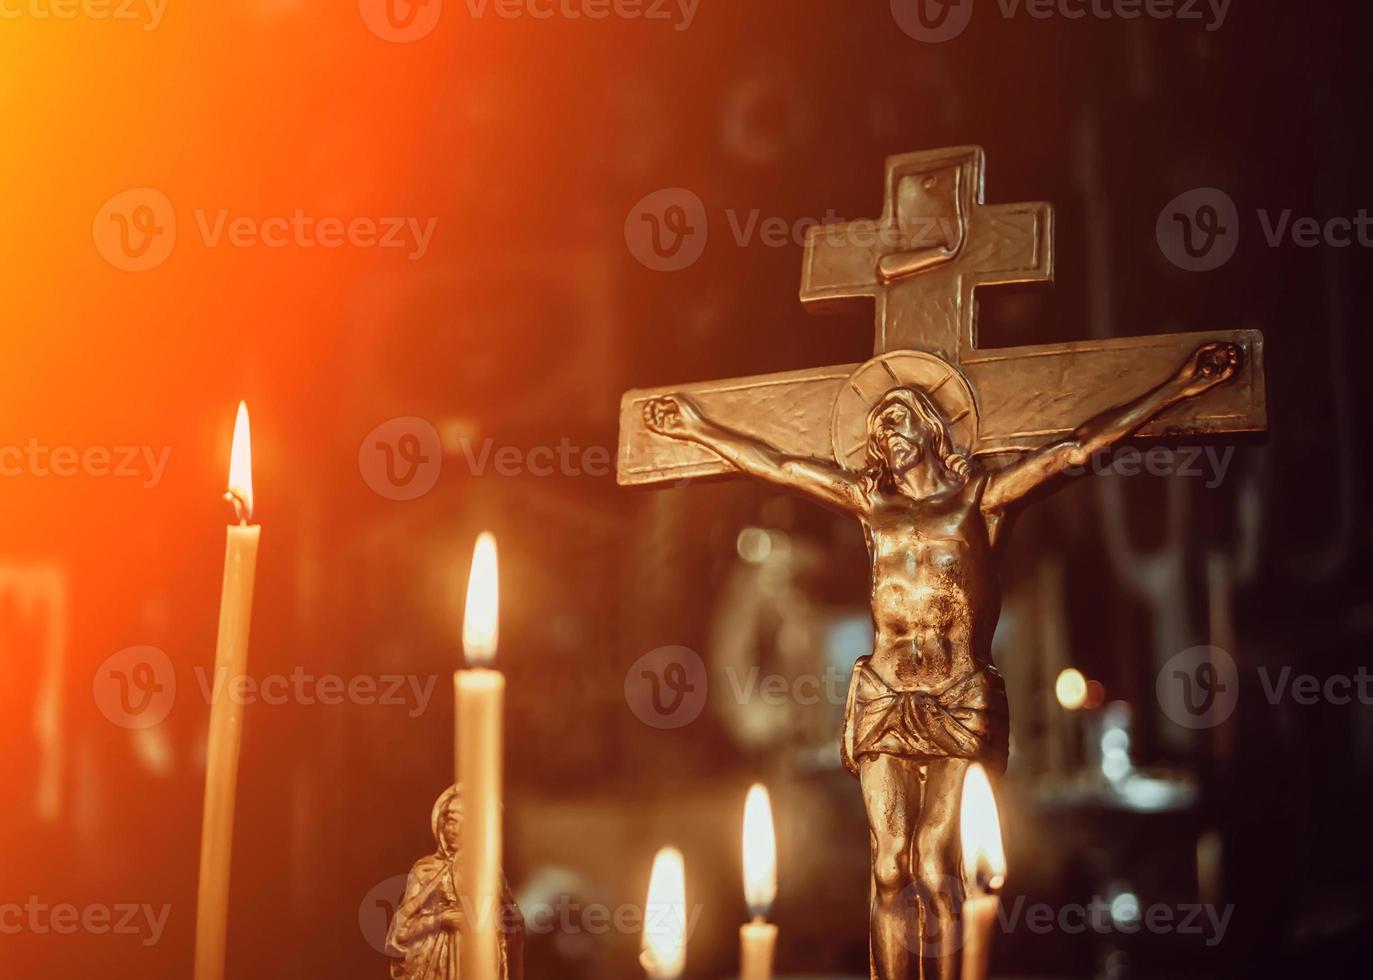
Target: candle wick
(240, 505)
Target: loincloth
(967, 719)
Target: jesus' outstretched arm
(678, 417)
(1208, 366)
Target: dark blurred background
(531, 143)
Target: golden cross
(922, 263)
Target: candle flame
(760, 852)
(481, 621)
(664, 942)
(241, 467)
(984, 861)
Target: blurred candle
(664, 942)
(480, 698)
(984, 867)
(758, 939)
(226, 712)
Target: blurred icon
(933, 21)
(136, 229)
(401, 21)
(401, 459)
(136, 687)
(667, 230)
(667, 687)
(377, 910)
(1199, 687)
(1199, 231)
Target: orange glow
(241, 466)
(481, 622)
(984, 860)
(760, 852)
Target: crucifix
(929, 445)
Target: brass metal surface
(902, 443)
(429, 927)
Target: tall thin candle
(480, 697)
(226, 713)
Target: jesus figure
(928, 702)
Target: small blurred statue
(428, 930)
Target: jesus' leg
(937, 868)
(891, 790)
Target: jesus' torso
(935, 595)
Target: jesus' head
(905, 431)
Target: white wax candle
(757, 946)
(979, 923)
(479, 695)
(480, 698)
(226, 716)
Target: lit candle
(226, 712)
(758, 939)
(664, 942)
(480, 698)
(984, 869)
